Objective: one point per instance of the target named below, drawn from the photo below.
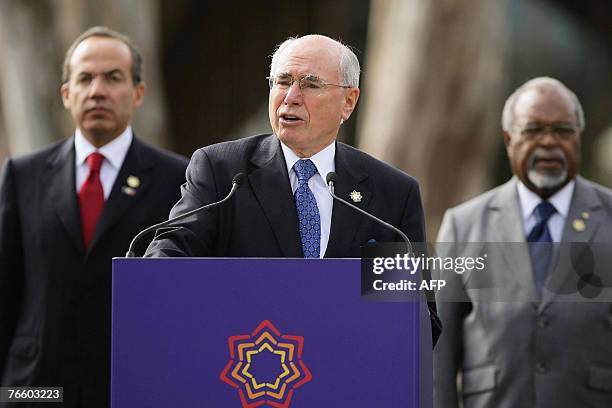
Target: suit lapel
(60, 182)
(345, 220)
(119, 201)
(270, 184)
(507, 218)
(584, 200)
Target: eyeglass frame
(538, 130)
(325, 84)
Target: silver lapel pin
(356, 196)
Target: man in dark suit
(65, 211)
(534, 329)
(313, 89)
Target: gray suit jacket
(525, 352)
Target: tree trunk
(3, 138)
(29, 80)
(433, 94)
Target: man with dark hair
(65, 212)
(526, 331)
(105, 32)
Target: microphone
(436, 323)
(331, 182)
(237, 182)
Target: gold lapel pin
(128, 191)
(578, 225)
(585, 215)
(356, 196)
(133, 182)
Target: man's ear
(507, 138)
(138, 96)
(350, 101)
(65, 92)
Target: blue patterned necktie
(308, 212)
(540, 247)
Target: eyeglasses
(533, 131)
(307, 84)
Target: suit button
(541, 367)
(543, 322)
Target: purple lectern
(228, 332)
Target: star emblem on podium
(265, 367)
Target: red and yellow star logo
(265, 343)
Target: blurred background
(435, 75)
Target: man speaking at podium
(284, 208)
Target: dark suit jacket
(261, 220)
(55, 298)
(524, 352)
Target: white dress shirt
(561, 200)
(114, 153)
(324, 161)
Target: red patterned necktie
(91, 198)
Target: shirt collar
(323, 160)
(114, 151)
(561, 200)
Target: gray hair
(508, 112)
(349, 64)
(106, 32)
